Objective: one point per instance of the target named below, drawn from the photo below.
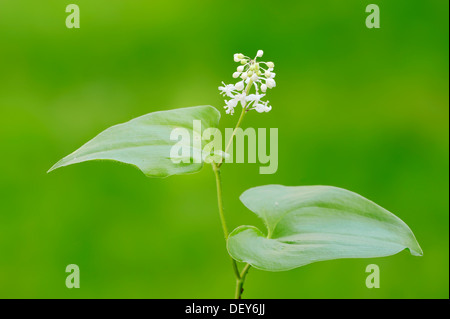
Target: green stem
(240, 282)
(244, 110)
(216, 170)
(234, 132)
(240, 277)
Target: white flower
(230, 105)
(255, 75)
(254, 97)
(241, 97)
(227, 89)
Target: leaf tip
(52, 168)
(417, 251)
(55, 166)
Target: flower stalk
(222, 215)
(253, 75)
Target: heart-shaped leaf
(306, 224)
(146, 142)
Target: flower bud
(260, 108)
(254, 77)
(270, 65)
(236, 74)
(260, 53)
(244, 76)
(240, 68)
(239, 86)
(238, 57)
(263, 87)
(270, 83)
(267, 74)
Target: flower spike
(258, 75)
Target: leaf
(145, 142)
(307, 224)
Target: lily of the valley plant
(305, 224)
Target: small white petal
(254, 97)
(263, 87)
(227, 89)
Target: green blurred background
(357, 108)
